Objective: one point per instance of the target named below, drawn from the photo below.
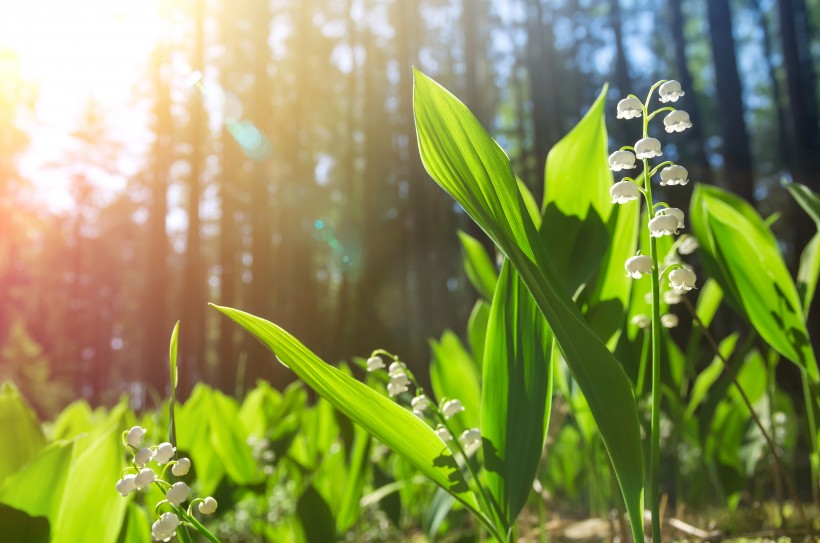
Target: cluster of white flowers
(141, 474)
(400, 380)
(666, 221)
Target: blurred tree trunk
(158, 325)
(621, 77)
(737, 157)
(263, 287)
(694, 155)
(802, 91)
(543, 79)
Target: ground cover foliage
(549, 400)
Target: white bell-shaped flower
(443, 433)
(145, 477)
(676, 121)
(674, 212)
(624, 191)
(451, 408)
(674, 175)
(394, 387)
(165, 527)
(641, 321)
(181, 467)
(396, 368)
(135, 435)
(621, 160)
(670, 320)
(375, 363)
(126, 485)
(672, 297)
(663, 225)
(470, 440)
(165, 452)
(178, 493)
(670, 91)
(648, 148)
(419, 404)
(143, 456)
(638, 266)
(682, 279)
(688, 245)
(630, 108)
(208, 506)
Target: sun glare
(73, 52)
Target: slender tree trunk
(694, 153)
(156, 318)
(777, 93)
(737, 157)
(621, 76)
(192, 327)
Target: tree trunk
(737, 157)
(192, 327)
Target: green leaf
(454, 374)
(808, 200)
(355, 480)
(390, 423)
(517, 393)
(808, 273)
(477, 329)
(750, 266)
(478, 265)
(576, 199)
(172, 361)
(709, 375)
(317, 519)
(467, 163)
(38, 487)
(22, 435)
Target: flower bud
(134, 437)
(208, 506)
(670, 320)
(637, 266)
(126, 485)
(451, 408)
(375, 363)
(181, 467)
(443, 433)
(143, 456)
(144, 478)
(470, 440)
(165, 527)
(178, 493)
(641, 321)
(165, 451)
(688, 245)
(674, 212)
(419, 404)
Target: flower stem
(655, 436)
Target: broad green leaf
(808, 200)
(454, 374)
(316, 517)
(751, 267)
(477, 329)
(90, 505)
(194, 437)
(576, 199)
(37, 488)
(390, 423)
(808, 273)
(74, 420)
(136, 527)
(22, 437)
(517, 393)
(172, 362)
(468, 164)
(257, 409)
(230, 441)
(355, 480)
(478, 265)
(709, 375)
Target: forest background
(270, 163)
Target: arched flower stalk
(662, 220)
